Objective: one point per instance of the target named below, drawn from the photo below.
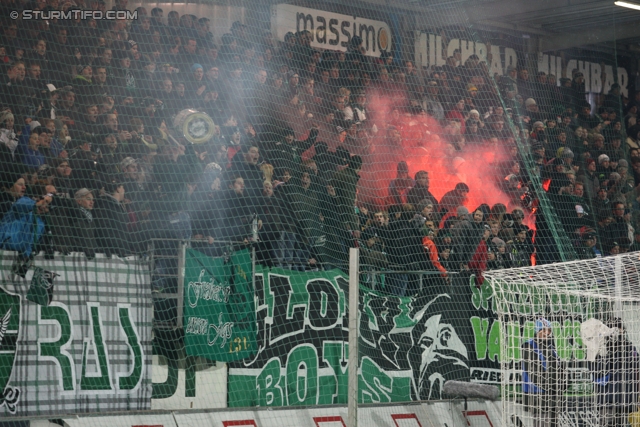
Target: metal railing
(421, 273)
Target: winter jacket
(21, 228)
(345, 183)
(432, 252)
(466, 237)
(541, 369)
(75, 231)
(111, 221)
(284, 156)
(616, 374)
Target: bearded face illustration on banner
(443, 353)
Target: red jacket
(432, 252)
(478, 263)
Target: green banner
(219, 309)
(408, 346)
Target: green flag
(219, 307)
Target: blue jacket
(21, 228)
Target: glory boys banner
(219, 311)
(84, 347)
(408, 346)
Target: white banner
(85, 346)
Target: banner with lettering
(408, 347)
(219, 309)
(75, 335)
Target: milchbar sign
(330, 30)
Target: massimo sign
(331, 31)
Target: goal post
(569, 336)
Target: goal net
(568, 342)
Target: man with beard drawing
(543, 376)
(442, 355)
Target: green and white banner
(84, 345)
(219, 309)
(408, 347)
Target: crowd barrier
(79, 341)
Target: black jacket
(110, 223)
(419, 193)
(288, 156)
(73, 230)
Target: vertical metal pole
(618, 284)
(354, 291)
(152, 259)
(182, 253)
(253, 268)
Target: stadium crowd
(90, 161)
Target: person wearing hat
(196, 85)
(603, 168)
(614, 148)
(589, 248)
(357, 110)
(8, 141)
(532, 114)
(520, 248)
(544, 376)
(83, 78)
(136, 189)
(557, 176)
(567, 157)
(466, 235)
(498, 258)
